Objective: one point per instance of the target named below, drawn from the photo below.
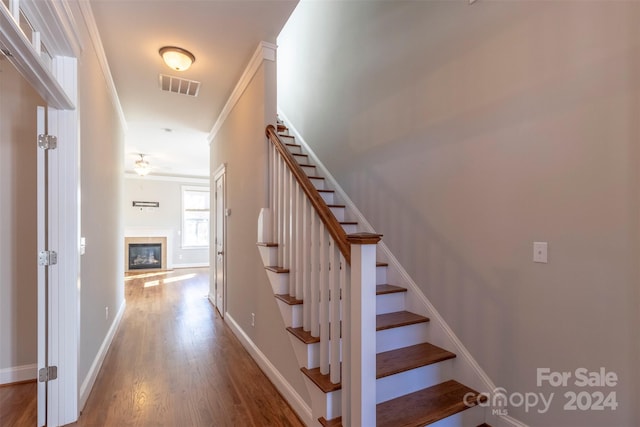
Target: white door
(220, 233)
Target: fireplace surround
(145, 253)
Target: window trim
(183, 190)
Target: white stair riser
(327, 197)
(310, 170)
(338, 213)
(291, 314)
(390, 303)
(350, 228)
(381, 275)
(294, 150)
(327, 405)
(391, 339)
(471, 417)
(307, 354)
(279, 282)
(397, 385)
(301, 158)
(318, 183)
(269, 255)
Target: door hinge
(49, 373)
(47, 142)
(47, 258)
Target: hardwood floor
(18, 405)
(174, 362)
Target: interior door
(42, 269)
(220, 234)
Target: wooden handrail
(326, 216)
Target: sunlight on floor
(166, 281)
(145, 275)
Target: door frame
(57, 85)
(220, 173)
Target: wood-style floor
(18, 405)
(174, 362)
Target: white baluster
(286, 212)
(306, 257)
(293, 238)
(345, 288)
(274, 193)
(324, 300)
(334, 284)
(299, 241)
(315, 275)
(280, 210)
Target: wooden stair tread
(288, 299)
(276, 269)
(281, 127)
(425, 406)
(335, 422)
(303, 335)
(284, 135)
(349, 222)
(397, 319)
(407, 358)
(383, 321)
(382, 264)
(336, 206)
(322, 381)
(268, 244)
(389, 363)
(389, 289)
(316, 177)
(299, 155)
(326, 191)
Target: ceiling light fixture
(177, 58)
(142, 167)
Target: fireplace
(145, 255)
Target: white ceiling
(172, 129)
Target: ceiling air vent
(178, 85)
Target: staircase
(414, 381)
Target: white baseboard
(191, 265)
(90, 379)
(288, 392)
(18, 374)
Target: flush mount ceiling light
(177, 58)
(142, 167)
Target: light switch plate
(540, 252)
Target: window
(195, 217)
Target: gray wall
(18, 226)
(241, 144)
(167, 216)
(465, 133)
(102, 268)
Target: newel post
(361, 401)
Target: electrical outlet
(106, 313)
(253, 319)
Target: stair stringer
(466, 368)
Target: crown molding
(94, 34)
(265, 51)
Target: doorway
(219, 281)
